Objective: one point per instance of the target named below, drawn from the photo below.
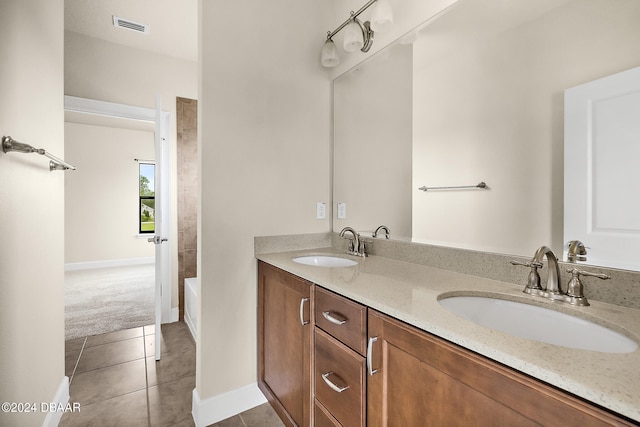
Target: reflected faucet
(577, 251)
(387, 233)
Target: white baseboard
(220, 407)
(73, 266)
(60, 400)
(175, 314)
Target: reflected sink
(324, 261)
(538, 324)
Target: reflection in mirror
(478, 96)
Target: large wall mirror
(474, 95)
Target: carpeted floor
(108, 299)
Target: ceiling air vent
(130, 25)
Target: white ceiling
(173, 24)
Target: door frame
(123, 111)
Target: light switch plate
(321, 210)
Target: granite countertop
(409, 292)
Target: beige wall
(101, 196)
(31, 207)
(264, 163)
(106, 71)
(373, 144)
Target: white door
(602, 169)
(162, 252)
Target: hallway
(117, 382)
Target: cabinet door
(285, 343)
(422, 380)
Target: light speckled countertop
(409, 292)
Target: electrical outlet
(321, 210)
(342, 210)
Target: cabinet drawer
(342, 318)
(322, 417)
(340, 380)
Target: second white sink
(538, 324)
(324, 261)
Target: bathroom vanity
(369, 344)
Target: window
(147, 198)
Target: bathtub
(191, 290)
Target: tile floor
(117, 382)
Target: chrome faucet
(533, 286)
(552, 290)
(356, 245)
(387, 233)
(553, 277)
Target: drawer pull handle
(333, 385)
(333, 318)
(369, 355)
(302, 321)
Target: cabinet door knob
(334, 386)
(370, 357)
(334, 318)
(302, 321)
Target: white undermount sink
(324, 261)
(538, 324)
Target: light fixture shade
(329, 57)
(381, 16)
(353, 37)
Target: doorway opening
(115, 274)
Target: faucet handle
(533, 281)
(577, 272)
(532, 264)
(575, 289)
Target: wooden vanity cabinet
(419, 380)
(423, 380)
(285, 341)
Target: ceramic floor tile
(261, 416)
(113, 337)
(105, 383)
(185, 423)
(75, 344)
(234, 421)
(170, 403)
(125, 410)
(104, 355)
(170, 367)
(174, 339)
(117, 386)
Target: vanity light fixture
(358, 35)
